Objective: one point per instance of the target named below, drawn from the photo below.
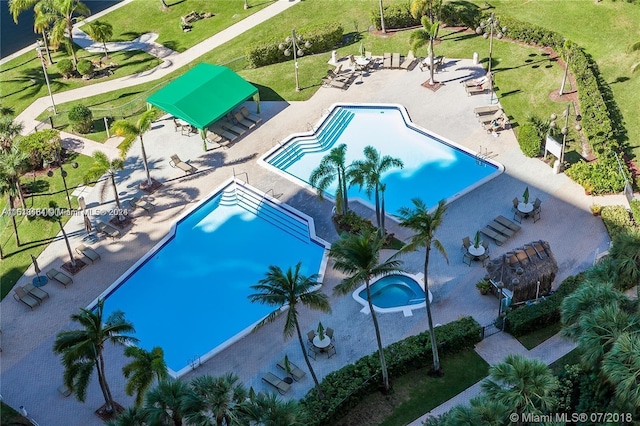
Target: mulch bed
(74, 269)
(432, 87)
(121, 224)
(117, 409)
(150, 189)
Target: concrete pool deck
(31, 372)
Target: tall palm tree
(163, 403)
(358, 256)
(368, 173)
(82, 349)
(621, 365)
(131, 132)
(12, 164)
(424, 225)
(132, 416)
(524, 385)
(481, 411)
(426, 35)
(9, 188)
(145, 367)
(101, 165)
(62, 14)
(267, 409)
(214, 400)
(429, 8)
(102, 32)
(289, 289)
(16, 7)
(333, 166)
(9, 129)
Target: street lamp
(295, 44)
(492, 25)
(565, 129)
(64, 177)
(46, 76)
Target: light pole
(487, 29)
(567, 48)
(565, 129)
(46, 76)
(295, 44)
(63, 173)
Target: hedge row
(616, 219)
(395, 16)
(322, 38)
(530, 318)
(635, 211)
(344, 388)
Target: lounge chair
(243, 121)
(531, 253)
(250, 116)
(185, 167)
(227, 125)
(296, 372)
(107, 229)
(395, 60)
(22, 296)
(218, 130)
(522, 257)
(497, 237)
(88, 252)
(386, 60)
(409, 61)
(500, 228)
(218, 140)
(476, 81)
(509, 224)
(495, 125)
(486, 110)
(64, 391)
(61, 277)
(144, 205)
(426, 64)
(476, 90)
(36, 292)
(282, 386)
(488, 119)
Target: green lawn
(416, 393)
(532, 340)
(10, 417)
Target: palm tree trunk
(377, 198)
(73, 50)
(115, 192)
(20, 194)
(345, 197)
(382, 214)
(46, 46)
(66, 240)
(436, 370)
(144, 160)
(431, 78)
(13, 221)
(108, 399)
(306, 359)
(383, 363)
(384, 30)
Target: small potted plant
(596, 209)
(483, 286)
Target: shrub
(85, 67)
(529, 140)
(635, 211)
(598, 177)
(65, 66)
(527, 319)
(460, 14)
(81, 119)
(40, 146)
(395, 16)
(616, 219)
(344, 388)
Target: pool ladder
(195, 362)
(480, 157)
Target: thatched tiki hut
(528, 271)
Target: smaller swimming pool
(394, 293)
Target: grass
(417, 393)
(36, 234)
(532, 340)
(10, 417)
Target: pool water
(394, 291)
(189, 295)
(434, 168)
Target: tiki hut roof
(528, 271)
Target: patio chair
(232, 127)
(386, 60)
(466, 243)
(409, 61)
(88, 252)
(250, 116)
(312, 350)
(282, 386)
(108, 230)
(467, 258)
(243, 121)
(515, 203)
(485, 244)
(60, 277)
(486, 110)
(329, 332)
(144, 205)
(295, 371)
(218, 130)
(476, 90)
(483, 258)
(310, 335)
(536, 210)
(331, 350)
(518, 216)
(218, 140)
(22, 296)
(36, 292)
(185, 167)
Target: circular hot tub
(394, 293)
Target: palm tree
(421, 37)
(62, 14)
(163, 403)
(622, 368)
(132, 416)
(214, 400)
(12, 164)
(333, 166)
(102, 165)
(82, 350)
(143, 370)
(481, 411)
(368, 173)
(524, 385)
(9, 129)
(289, 289)
(102, 32)
(8, 188)
(425, 224)
(358, 256)
(131, 132)
(428, 8)
(625, 253)
(267, 409)
(16, 7)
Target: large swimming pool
(434, 168)
(189, 294)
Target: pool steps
(324, 139)
(264, 209)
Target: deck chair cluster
(108, 230)
(29, 295)
(529, 253)
(143, 204)
(227, 130)
(338, 78)
(500, 229)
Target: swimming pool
(188, 295)
(394, 293)
(434, 168)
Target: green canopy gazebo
(203, 95)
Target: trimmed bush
(529, 140)
(344, 388)
(598, 177)
(465, 14)
(395, 16)
(527, 319)
(81, 119)
(635, 211)
(65, 66)
(85, 67)
(616, 219)
(40, 146)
